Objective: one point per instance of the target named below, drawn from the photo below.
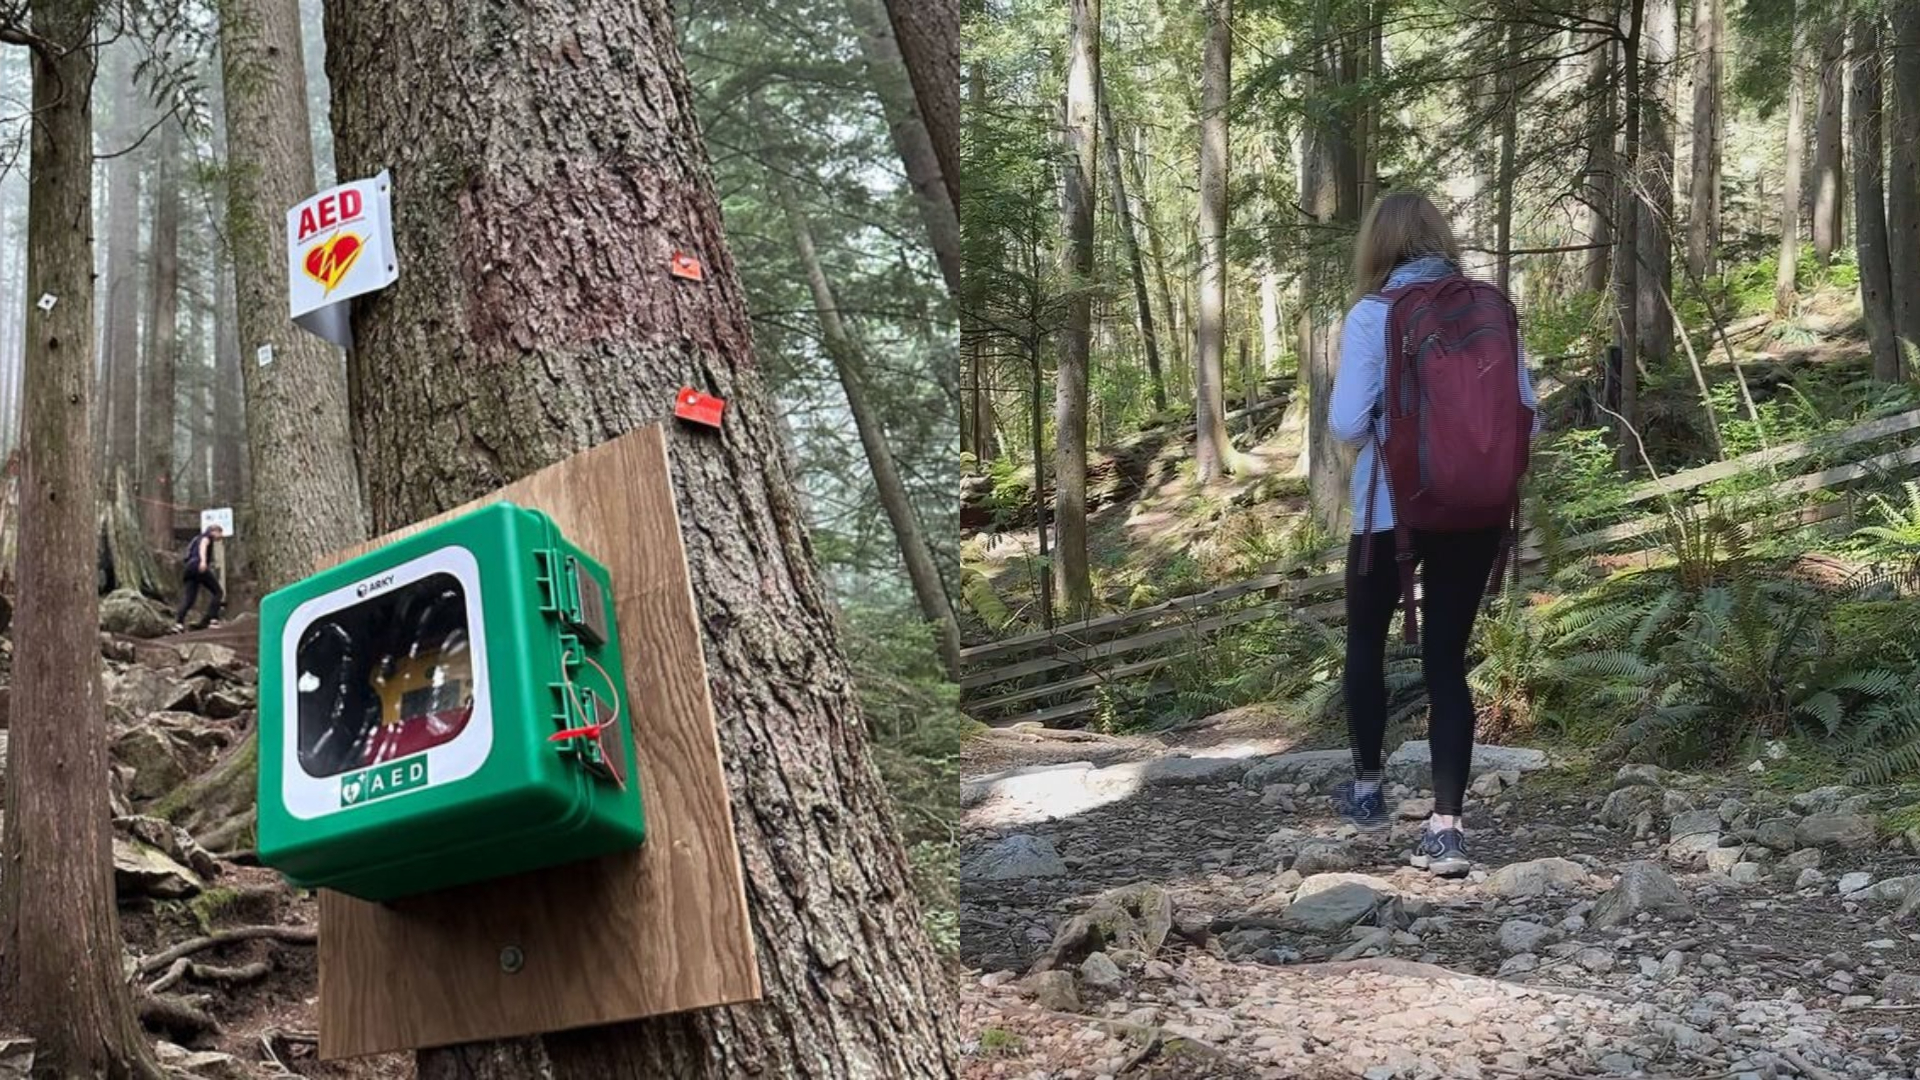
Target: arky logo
(373, 586)
(328, 261)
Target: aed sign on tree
(339, 246)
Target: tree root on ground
(298, 935)
(184, 1017)
(227, 976)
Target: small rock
(1099, 971)
(1519, 964)
(1694, 833)
(1746, 873)
(140, 870)
(1643, 888)
(1520, 936)
(1778, 834)
(1640, 776)
(1372, 943)
(1193, 771)
(1493, 783)
(1854, 882)
(1278, 795)
(1900, 988)
(1730, 811)
(1015, 857)
(1412, 763)
(1054, 990)
(1624, 804)
(1835, 830)
(1804, 859)
(1330, 910)
(1809, 878)
(994, 979)
(1324, 856)
(1414, 809)
(1820, 800)
(1536, 878)
(1598, 961)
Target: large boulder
(140, 690)
(167, 837)
(1643, 887)
(140, 870)
(1836, 830)
(156, 758)
(126, 612)
(1412, 763)
(1013, 857)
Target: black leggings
(1453, 578)
(197, 580)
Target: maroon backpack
(1458, 433)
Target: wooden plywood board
(657, 930)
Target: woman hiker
(1465, 412)
(197, 572)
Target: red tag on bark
(698, 407)
(686, 266)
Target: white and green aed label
(390, 778)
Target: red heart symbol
(327, 262)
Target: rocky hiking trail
(219, 950)
(1138, 908)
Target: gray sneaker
(1443, 853)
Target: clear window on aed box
(385, 677)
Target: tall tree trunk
(1271, 343)
(469, 373)
(229, 394)
(1329, 462)
(1869, 195)
(1601, 185)
(157, 381)
(1659, 46)
(1626, 257)
(1903, 174)
(305, 495)
(1509, 135)
(1123, 214)
(985, 444)
(849, 365)
(1080, 134)
(120, 403)
(894, 88)
(61, 980)
(1156, 247)
(1702, 223)
(928, 32)
(1786, 274)
(1829, 193)
(1213, 454)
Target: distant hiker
(1433, 388)
(199, 574)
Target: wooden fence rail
(1103, 650)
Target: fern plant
(1897, 535)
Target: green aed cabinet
(447, 709)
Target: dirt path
(1197, 911)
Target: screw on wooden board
(512, 959)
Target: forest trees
(1870, 219)
(60, 946)
(467, 380)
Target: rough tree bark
(1903, 174)
(849, 364)
(1072, 583)
(1703, 225)
(1869, 195)
(158, 374)
(928, 32)
(1130, 242)
(1786, 273)
(985, 438)
(1156, 248)
(229, 393)
(1626, 258)
(305, 496)
(1829, 180)
(476, 368)
(1659, 44)
(1213, 454)
(61, 981)
(894, 87)
(1603, 169)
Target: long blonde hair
(1402, 225)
